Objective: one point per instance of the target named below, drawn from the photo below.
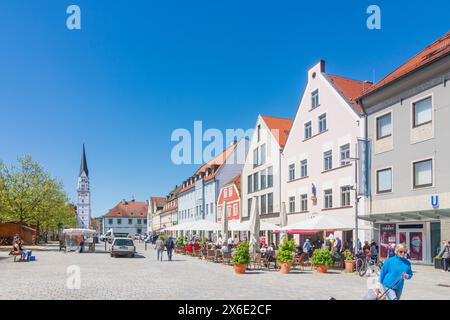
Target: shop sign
(435, 201)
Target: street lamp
(355, 188)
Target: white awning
(198, 225)
(234, 225)
(322, 222)
(76, 232)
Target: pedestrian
(337, 244)
(445, 255)
(394, 272)
(159, 246)
(391, 251)
(170, 244)
(306, 246)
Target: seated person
(225, 248)
(196, 246)
(263, 250)
(298, 251)
(16, 248)
(24, 253)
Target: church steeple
(83, 165)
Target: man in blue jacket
(394, 272)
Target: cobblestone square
(143, 277)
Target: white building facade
(320, 152)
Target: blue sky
(139, 69)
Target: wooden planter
(285, 267)
(240, 268)
(322, 269)
(350, 266)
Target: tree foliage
(29, 196)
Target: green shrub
(180, 240)
(322, 257)
(348, 255)
(242, 254)
(286, 252)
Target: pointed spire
(83, 165)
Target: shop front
(420, 231)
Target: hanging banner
(363, 169)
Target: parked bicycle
(366, 264)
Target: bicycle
(366, 263)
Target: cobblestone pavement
(103, 277)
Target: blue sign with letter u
(435, 201)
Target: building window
(225, 193)
(255, 181)
(249, 207)
(228, 211)
(235, 210)
(304, 168)
(291, 172)
(263, 154)
(259, 132)
(263, 204)
(269, 177)
(308, 130)
(322, 122)
(119, 221)
(304, 202)
(423, 173)
(139, 221)
(230, 192)
(315, 99)
(384, 126)
(130, 221)
(345, 196)
(422, 112)
(345, 154)
(328, 198)
(207, 207)
(255, 157)
(145, 221)
(384, 180)
(270, 203)
(291, 204)
(327, 160)
(110, 221)
(250, 184)
(263, 179)
(212, 208)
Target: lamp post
(355, 188)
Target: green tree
(29, 196)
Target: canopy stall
(71, 237)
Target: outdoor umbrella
(283, 220)
(224, 223)
(245, 226)
(254, 227)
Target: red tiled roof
(219, 160)
(158, 200)
(132, 209)
(279, 127)
(349, 88)
(236, 180)
(435, 50)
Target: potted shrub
(241, 258)
(286, 255)
(322, 259)
(349, 261)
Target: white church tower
(84, 195)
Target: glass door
(415, 241)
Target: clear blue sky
(139, 69)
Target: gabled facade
(198, 196)
(408, 113)
(156, 206)
(230, 194)
(169, 215)
(127, 218)
(260, 178)
(318, 173)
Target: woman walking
(394, 272)
(445, 255)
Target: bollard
(105, 245)
(145, 245)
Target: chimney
(322, 65)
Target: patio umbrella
(254, 227)
(283, 221)
(245, 226)
(224, 222)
